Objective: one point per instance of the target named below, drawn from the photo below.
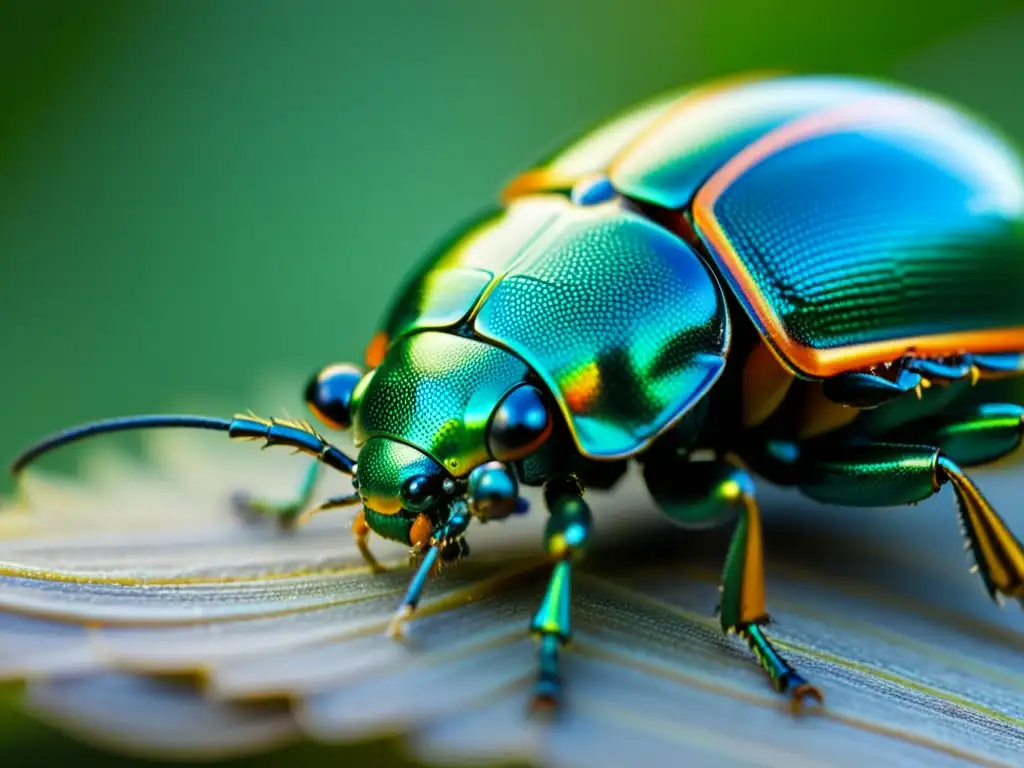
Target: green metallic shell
(866, 232)
(449, 282)
(667, 164)
(436, 391)
(623, 321)
(876, 475)
(384, 466)
(593, 153)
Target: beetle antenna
(295, 434)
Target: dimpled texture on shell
(870, 224)
(622, 319)
(437, 391)
(384, 467)
(450, 280)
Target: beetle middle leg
(704, 493)
(566, 537)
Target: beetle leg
(970, 435)
(709, 492)
(446, 541)
(287, 514)
(870, 389)
(566, 537)
(361, 532)
(881, 384)
(998, 366)
(889, 474)
(419, 537)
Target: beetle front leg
(700, 494)
(566, 537)
(444, 542)
(361, 532)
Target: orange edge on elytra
(809, 361)
(535, 180)
(688, 101)
(548, 178)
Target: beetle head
(396, 479)
(444, 416)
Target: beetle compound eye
(420, 493)
(329, 394)
(520, 425)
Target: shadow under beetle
(812, 279)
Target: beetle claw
(801, 694)
(396, 629)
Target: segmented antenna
(299, 435)
(295, 434)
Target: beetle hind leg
(892, 474)
(998, 556)
(709, 492)
(974, 435)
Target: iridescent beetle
(814, 279)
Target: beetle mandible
(812, 279)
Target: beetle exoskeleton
(812, 279)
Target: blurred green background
(195, 196)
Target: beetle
(811, 279)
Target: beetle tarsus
(547, 690)
(396, 628)
(801, 693)
(784, 678)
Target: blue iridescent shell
(855, 220)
